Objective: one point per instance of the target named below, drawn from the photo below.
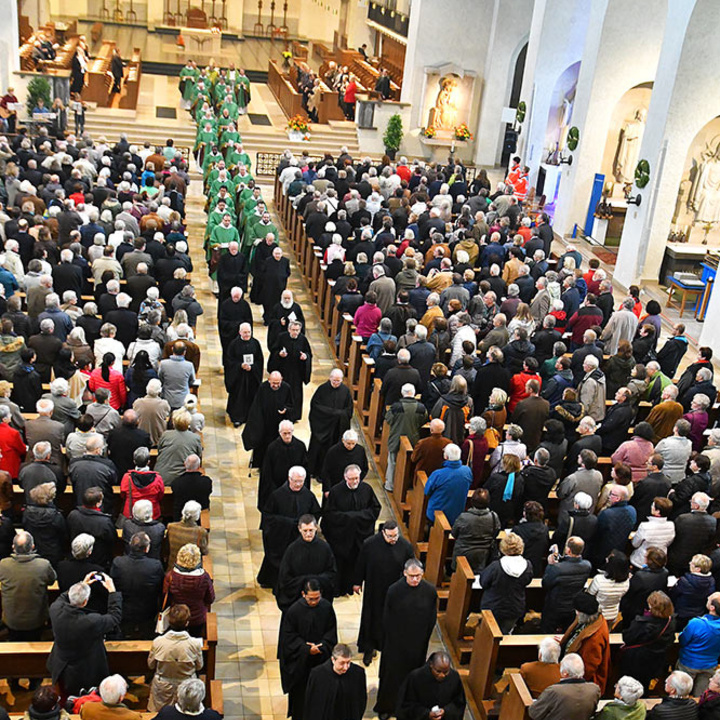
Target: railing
(393, 20)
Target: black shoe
(368, 657)
(384, 716)
(236, 424)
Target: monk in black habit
(232, 271)
(349, 516)
(232, 313)
(261, 253)
(308, 634)
(273, 403)
(338, 457)
(282, 314)
(274, 281)
(280, 517)
(243, 374)
(282, 454)
(331, 409)
(337, 689)
(409, 617)
(307, 557)
(380, 564)
(292, 356)
(434, 685)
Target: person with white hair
(153, 411)
(340, 456)
(112, 692)
(78, 658)
(678, 704)
(545, 671)
(572, 697)
(447, 487)
(12, 262)
(65, 410)
(621, 326)
(62, 324)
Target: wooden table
(693, 291)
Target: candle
(452, 147)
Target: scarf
(509, 487)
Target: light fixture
(634, 199)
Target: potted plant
(462, 133)
(287, 56)
(38, 87)
(297, 128)
(393, 136)
(428, 132)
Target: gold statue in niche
(443, 116)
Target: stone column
(9, 57)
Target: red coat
(116, 386)
(517, 388)
(350, 91)
(13, 449)
(146, 486)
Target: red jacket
(350, 92)
(13, 449)
(584, 319)
(194, 590)
(116, 386)
(146, 485)
(517, 388)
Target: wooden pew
(126, 657)
(404, 474)
(354, 361)
(440, 547)
(364, 387)
(516, 700)
(418, 511)
(345, 339)
(453, 624)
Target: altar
(202, 41)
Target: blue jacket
(447, 490)
(613, 527)
(700, 643)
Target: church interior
(604, 131)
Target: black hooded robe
(231, 315)
(330, 412)
(232, 271)
(349, 518)
(300, 625)
(338, 457)
(296, 372)
(409, 618)
(280, 518)
(304, 560)
(280, 457)
(379, 565)
(421, 692)
(274, 281)
(261, 254)
(242, 385)
(279, 320)
(264, 417)
(330, 696)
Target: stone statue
(706, 198)
(443, 116)
(629, 140)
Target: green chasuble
(188, 77)
(243, 91)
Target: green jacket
(616, 710)
(405, 417)
(24, 580)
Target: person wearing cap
(589, 637)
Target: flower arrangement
(298, 124)
(428, 132)
(462, 132)
(287, 54)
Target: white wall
(618, 56)
(9, 58)
(509, 33)
(557, 39)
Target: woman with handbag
(647, 640)
(175, 656)
(187, 530)
(475, 449)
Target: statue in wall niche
(629, 141)
(705, 192)
(443, 116)
(565, 116)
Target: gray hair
(350, 436)
(407, 390)
(583, 501)
(191, 510)
(190, 696)
(701, 499)
(452, 452)
(154, 387)
(681, 682)
(573, 666)
(549, 650)
(701, 400)
(42, 450)
(142, 510)
(421, 332)
(47, 326)
(704, 374)
(112, 689)
(478, 426)
(78, 594)
(82, 546)
(141, 457)
(629, 689)
(59, 387)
